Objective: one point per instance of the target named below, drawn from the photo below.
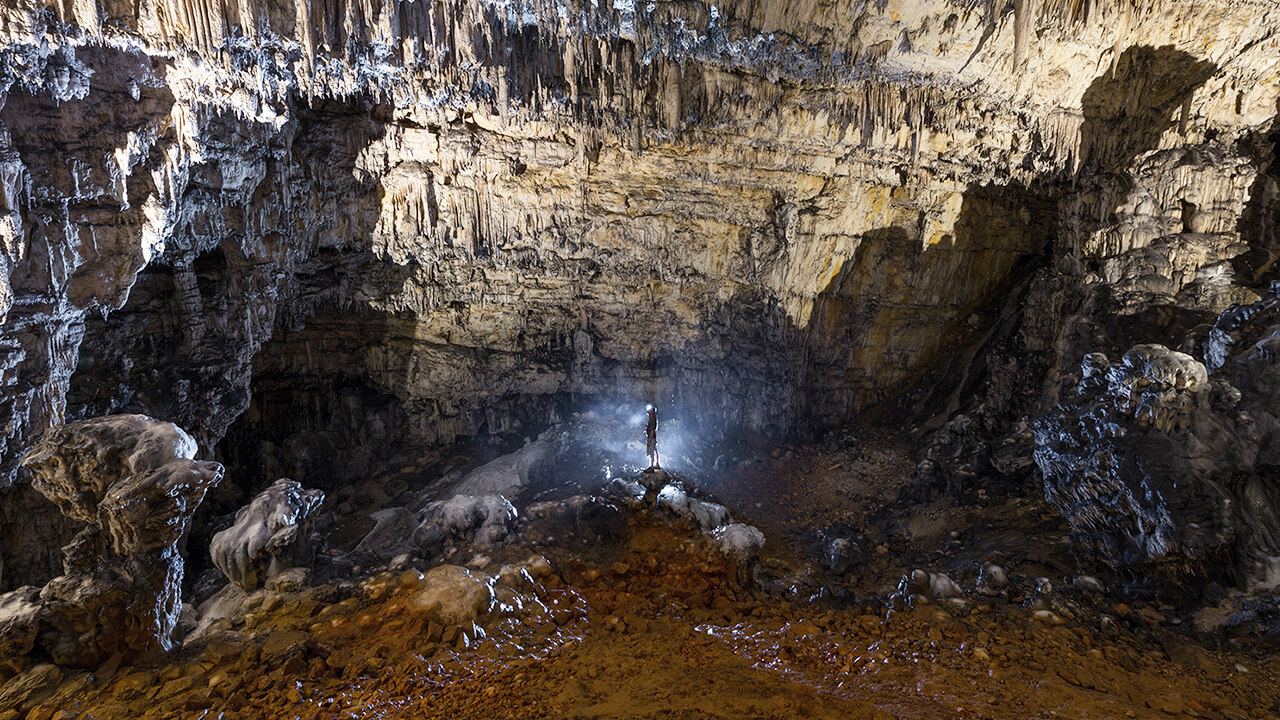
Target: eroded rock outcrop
(270, 534)
(464, 519)
(1161, 466)
(134, 484)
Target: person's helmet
(650, 408)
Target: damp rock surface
(1160, 465)
(270, 534)
(133, 482)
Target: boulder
(464, 519)
(270, 534)
(840, 554)
(454, 594)
(992, 579)
(741, 544)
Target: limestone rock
(936, 586)
(509, 474)
(455, 594)
(19, 622)
(133, 481)
(270, 534)
(741, 544)
(480, 521)
(317, 232)
(1160, 465)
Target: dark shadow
(999, 373)
(1128, 108)
(897, 337)
(1259, 225)
(182, 347)
(353, 391)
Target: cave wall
(775, 216)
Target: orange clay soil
(659, 630)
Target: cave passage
(340, 343)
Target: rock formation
(482, 521)
(270, 534)
(132, 484)
(1162, 466)
(312, 233)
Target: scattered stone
(935, 586)
(289, 581)
(1089, 584)
(1151, 616)
(841, 554)
(1047, 616)
(992, 579)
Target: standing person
(651, 438)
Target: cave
(475, 359)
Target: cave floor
(660, 626)
(661, 630)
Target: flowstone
(271, 534)
(134, 483)
(1161, 462)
